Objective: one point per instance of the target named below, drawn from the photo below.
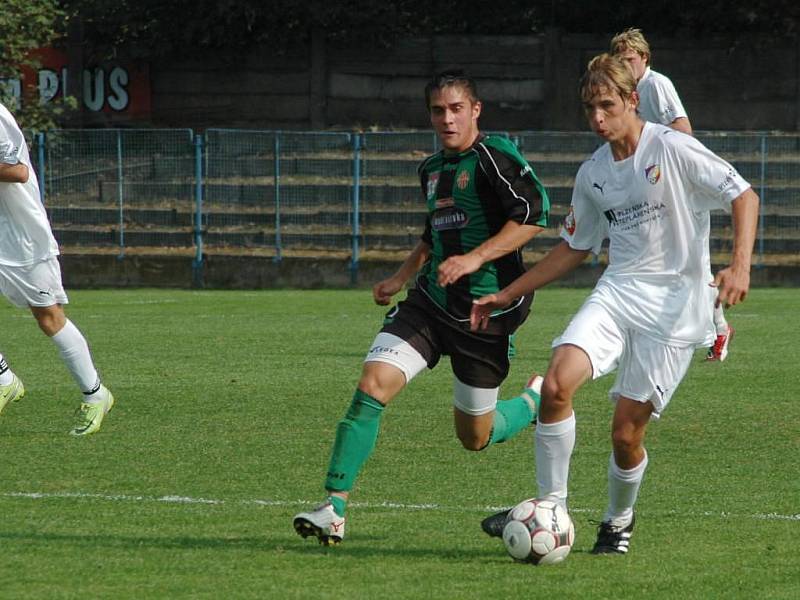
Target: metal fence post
(762, 193)
(277, 179)
(356, 207)
(197, 263)
(40, 141)
(120, 196)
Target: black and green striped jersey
(470, 196)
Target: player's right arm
(583, 232)
(383, 291)
(17, 173)
(12, 170)
(558, 262)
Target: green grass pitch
(226, 408)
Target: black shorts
(477, 359)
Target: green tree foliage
(26, 25)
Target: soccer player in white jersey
(648, 190)
(659, 103)
(30, 277)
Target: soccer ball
(538, 531)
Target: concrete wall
(527, 82)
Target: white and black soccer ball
(538, 531)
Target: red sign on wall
(113, 88)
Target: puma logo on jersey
(599, 186)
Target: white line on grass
(174, 499)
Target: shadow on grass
(360, 547)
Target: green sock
(356, 435)
(339, 504)
(512, 349)
(514, 415)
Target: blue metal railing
(311, 192)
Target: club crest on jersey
(463, 180)
(653, 174)
(569, 222)
(433, 183)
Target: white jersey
(654, 209)
(658, 99)
(25, 234)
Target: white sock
(554, 445)
(623, 488)
(6, 374)
(720, 324)
(75, 354)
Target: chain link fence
(118, 189)
(347, 194)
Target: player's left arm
(733, 282)
(682, 124)
(512, 236)
(671, 108)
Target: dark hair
(451, 77)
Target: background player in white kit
(30, 277)
(649, 191)
(659, 103)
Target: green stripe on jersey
(470, 196)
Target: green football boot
(12, 392)
(90, 415)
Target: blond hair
(631, 39)
(607, 72)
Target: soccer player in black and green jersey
(484, 203)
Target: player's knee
(48, 323)
(626, 442)
(51, 319)
(555, 395)
(473, 441)
(375, 386)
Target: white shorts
(647, 370)
(35, 285)
(394, 350)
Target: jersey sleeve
(584, 227)
(426, 236)
(715, 181)
(13, 147)
(522, 195)
(668, 103)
